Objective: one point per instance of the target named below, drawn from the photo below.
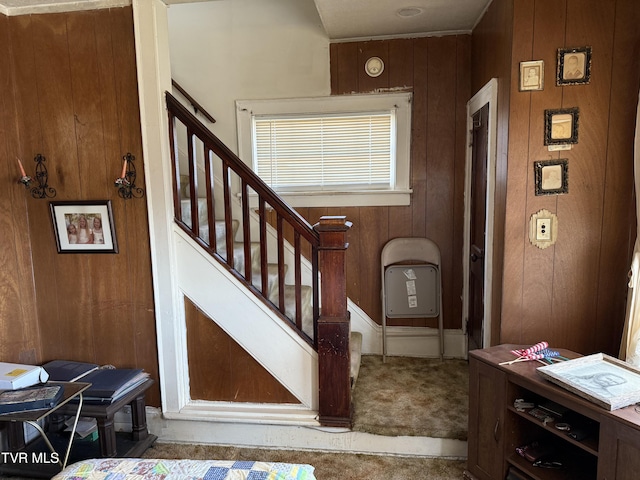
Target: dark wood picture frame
(551, 176)
(84, 226)
(574, 66)
(561, 126)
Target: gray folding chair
(411, 283)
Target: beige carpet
(412, 396)
(328, 466)
(404, 396)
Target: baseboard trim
(424, 342)
(289, 437)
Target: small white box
(15, 375)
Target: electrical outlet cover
(543, 229)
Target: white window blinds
(322, 152)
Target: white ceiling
(342, 19)
(352, 19)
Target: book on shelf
(68, 370)
(31, 398)
(16, 375)
(109, 384)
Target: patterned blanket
(157, 469)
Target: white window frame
(399, 193)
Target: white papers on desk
(16, 375)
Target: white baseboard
(175, 430)
(424, 342)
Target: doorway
(480, 173)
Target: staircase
(271, 250)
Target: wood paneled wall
(19, 332)
(491, 58)
(572, 294)
(221, 370)
(437, 71)
(70, 93)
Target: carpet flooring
(403, 396)
(412, 396)
(328, 466)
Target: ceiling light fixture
(409, 12)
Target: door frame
(487, 94)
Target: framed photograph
(552, 176)
(532, 75)
(561, 126)
(599, 378)
(84, 226)
(574, 66)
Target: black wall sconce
(42, 190)
(126, 183)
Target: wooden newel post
(334, 376)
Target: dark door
(478, 204)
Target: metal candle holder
(42, 190)
(126, 184)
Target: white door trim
(487, 95)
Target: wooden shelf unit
(610, 451)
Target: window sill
(369, 198)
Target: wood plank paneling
(575, 296)
(75, 88)
(546, 32)
(400, 66)
(237, 376)
(619, 202)
(19, 340)
(437, 71)
(571, 294)
(441, 149)
(491, 57)
(463, 74)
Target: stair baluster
(331, 331)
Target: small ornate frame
(561, 126)
(574, 66)
(552, 176)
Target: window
(333, 151)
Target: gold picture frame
(532, 75)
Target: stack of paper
(86, 426)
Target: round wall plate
(374, 67)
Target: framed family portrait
(84, 226)
(574, 66)
(561, 126)
(551, 176)
(532, 75)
